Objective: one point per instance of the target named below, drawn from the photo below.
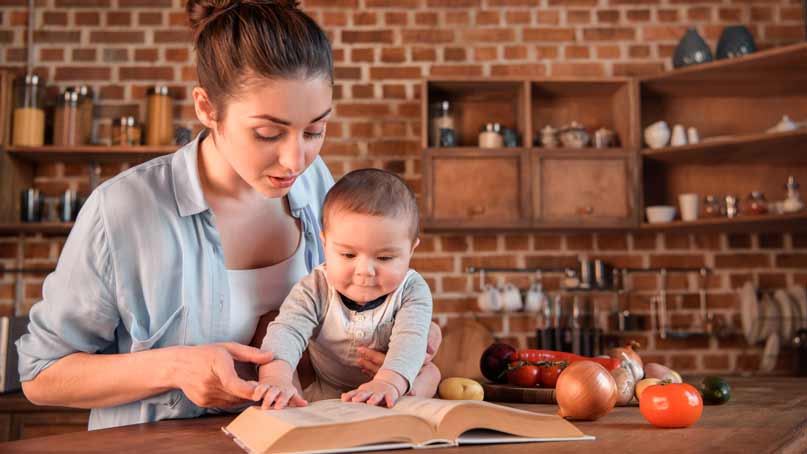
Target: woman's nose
(291, 154)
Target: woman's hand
(206, 373)
(371, 361)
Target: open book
(331, 426)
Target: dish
(785, 313)
(770, 354)
(660, 213)
(799, 295)
(749, 312)
(770, 318)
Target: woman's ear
(205, 111)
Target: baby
(364, 296)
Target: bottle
(712, 207)
(793, 201)
(85, 108)
(491, 136)
(126, 132)
(756, 203)
(159, 118)
(29, 112)
(443, 119)
(66, 122)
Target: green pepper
(715, 391)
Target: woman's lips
(281, 182)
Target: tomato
(550, 373)
(671, 405)
(521, 374)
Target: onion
(655, 370)
(625, 385)
(630, 359)
(585, 391)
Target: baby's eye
(348, 255)
(385, 258)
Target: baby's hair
(372, 192)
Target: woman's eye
(267, 138)
(314, 135)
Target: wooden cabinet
(574, 190)
(477, 189)
(20, 419)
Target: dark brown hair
(373, 192)
(239, 39)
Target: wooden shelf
(45, 228)
(768, 222)
(775, 147)
(52, 153)
(769, 72)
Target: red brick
(80, 73)
(702, 14)
(82, 3)
(524, 70)
(681, 344)
(567, 3)
(456, 284)
(51, 54)
(683, 363)
(730, 14)
(676, 261)
(742, 261)
(667, 15)
(578, 69)
(579, 242)
(365, 18)
(483, 243)
(799, 240)
(515, 52)
(123, 37)
(395, 72)
(363, 54)
(573, 52)
(146, 55)
(610, 52)
(454, 54)
(393, 54)
(458, 18)
(715, 362)
(454, 305)
(549, 34)
(121, 18)
(610, 16)
(145, 3)
(488, 35)
(638, 15)
(551, 261)
(620, 261)
(427, 36)
(495, 261)
(432, 264)
(146, 73)
(393, 147)
(456, 71)
(517, 17)
(609, 34)
(676, 241)
(396, 18)
(772, 280)
(87, 18)
(363, 91)
(761, 14)
(546, 242)
(612, 241)
(583, 16)
(784, 33)
(115, 55)
(663, 33)
(368, 36)
(56, 37)
(486, 53)
(420, 54)
(54, 18)
(172, 36)
(548, 17)
(347, 73)
(334, 19)
(407, 4)
(453, 3)
(179, 54)
(517, 242)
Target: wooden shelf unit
(50, 153)
(770, 222)
(44, 228)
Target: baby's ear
(415, 244)
(322, 237)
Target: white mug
(689, 206)
(679, 136)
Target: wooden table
(764, 415)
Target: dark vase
(736, 40)
(691, 50)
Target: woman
(171, 264)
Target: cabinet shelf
(45, 228)
(767, 222)
(761, 148)
(50, 153)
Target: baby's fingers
(297, 401)
(346, 397)
(270, 398)
(375, 398)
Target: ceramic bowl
(657, 135)
(660, 213)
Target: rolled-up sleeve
(78, 311)
(407, 347)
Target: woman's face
(273, 130)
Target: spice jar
(66, 122)
(159, 118)
(490, 136)
(442, 122)
(126, 132)
(712, 207)
(755, 203)
(85, 107)
(29, 112)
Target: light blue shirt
(143, 268)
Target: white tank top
(261, 290)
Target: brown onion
(625, 385)
(629, 359)
(585, 391)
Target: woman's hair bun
(202, 12)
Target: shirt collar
(188, 187)
(185, 173)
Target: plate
(785, 314)
(799, 295)
(770, 318)
(770, 354)
(749, 312)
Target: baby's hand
(373, 392)
(278, 394)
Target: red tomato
(524, 375)
(672, 405)
(550, 373)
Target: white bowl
(660, 213)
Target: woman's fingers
(370, 359)
(247, 353)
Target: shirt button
(221, 304)
(359, 333)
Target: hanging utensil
(662, 310)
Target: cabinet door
(476, 189)
(32, 425)
(581, 190)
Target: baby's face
(366, 256)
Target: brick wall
(383, 48)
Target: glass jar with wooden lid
(29, 112)
(66, 121)
(159, 117)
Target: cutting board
(464, 341)
(516, 394)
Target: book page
(431, 410)
(327, 412)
